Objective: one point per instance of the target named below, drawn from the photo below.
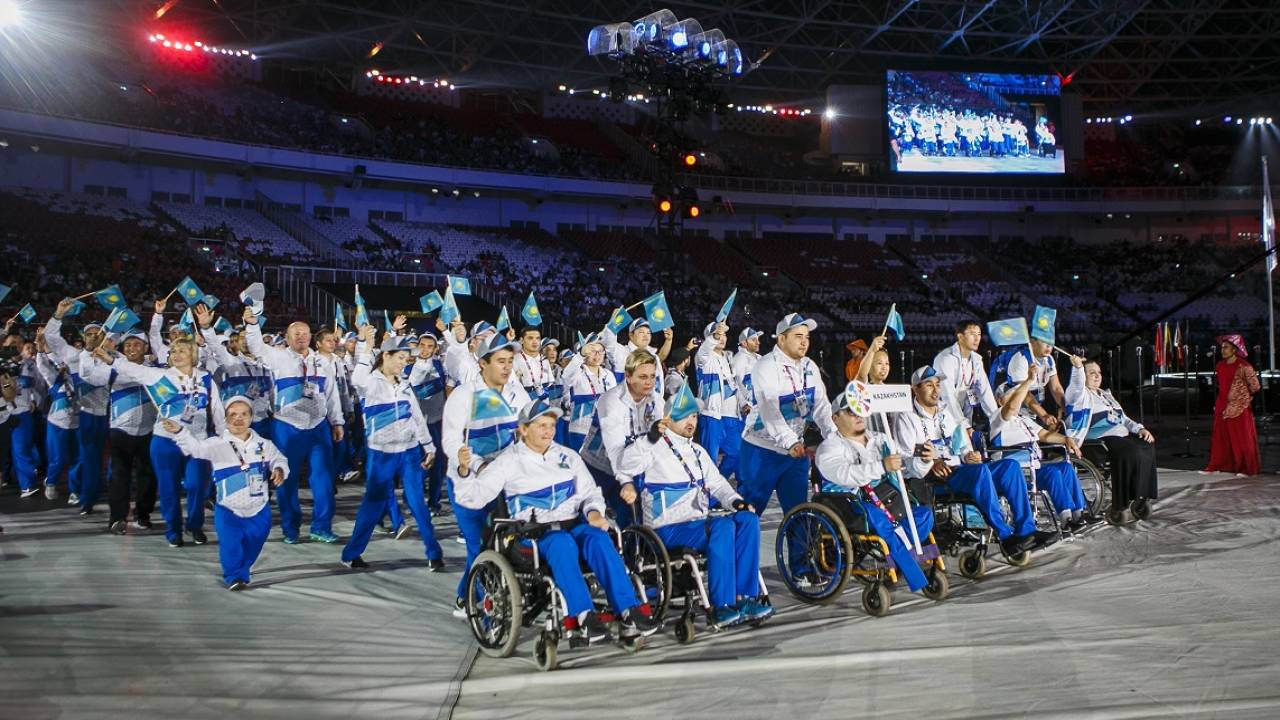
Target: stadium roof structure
(1121, 55)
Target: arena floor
(1173, 618)
(915, 162)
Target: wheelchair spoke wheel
(494, 604)
(814, 553)
(1097, 491)
(646, 558)
(876, 600)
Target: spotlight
(1269, 121)
(829, 114)
(10, 14)
(475, 193)
(456, 192)
(690, 159)
(1226, 119)
(1197, 123)
(1253, 121)
(664, 206)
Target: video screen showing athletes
(966, 122)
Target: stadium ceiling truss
(1121, 55)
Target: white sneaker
(459, 609)
(30, 492)
(73, 499)
(51, 492)
(350, 475)
(405, 527)
(460, 540)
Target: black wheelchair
(827, 540)
(1098, 455)
(674, 579)
(510, 588)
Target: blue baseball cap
(795, 320)
(926, 373)
(637, 324)
(537, 409)
(748, 333)
(493, 344)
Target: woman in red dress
(1235, 438)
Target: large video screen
(967, 122)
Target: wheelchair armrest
(1011, 448)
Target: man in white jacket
(679, 481)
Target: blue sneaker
(324, 537)
(726, 616)
(290, 540)
(753, 610)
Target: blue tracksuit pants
(732, 545)
(60, 445)
(312, 447)
(762, 472)
(177, 474)
(564, 552)
(902, 554)
(730, 444)
(26, 460)
(92, 439)
(1060, 481)
(240, 541)
(986, 484)
(611, 489)
(472, 525)
(381, 470)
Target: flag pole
(1269, 241)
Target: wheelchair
(510, 588)
(831, 541)
(1097, 454)
(674, 579)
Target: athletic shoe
(198, 537)
(460, 540)
(290, 540)
(72, 499)
(118, 527)
(402, 530)
(324, 537)
(237, 586)
(88, 510)
(639, 621)
(1014, 544)
(754, 610)
(460, 609)
(51, 492)
(176, 542)
(435, 565)
(30, 491)
(594, 628)
(356, 563)
(349, 476)
(1042, 538)
(142, 523)
(726, 616)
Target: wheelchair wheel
(1115, 516)
(1022, 559)
(646, 556)
(876, 600)
(494, 604)
(973, 564)
(1141, 508)
(814, 553)
(1096, 488)
(684, 630)
(544, 652)
(938, 586)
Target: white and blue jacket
(847, 465)
(305, 389)
(486, 437)
(744, 361)
(241, 468)
(393, 421)
(942, 429)
(1094, 415)
(555, 485)
(132, 412)
(789, 394)
(679, 479)
(584, 386)
(717, 386)
(93, 398)
(428, 379)
(197, 402)
(620, 420)
(64, 406)
(240, 375)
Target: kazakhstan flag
(110, 298)
(1043, 322)
(530, 311)
(620, 320)
(655, 307)
(459, 285)
(489, 404)
(1008, 332)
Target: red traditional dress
(1235, 437)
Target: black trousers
(130, 459)
(1133, 467)
(6, 450)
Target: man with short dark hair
(965, 385)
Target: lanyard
(586, 372)
(697, 482)
(529, 366)
(306, 374)
(244, 466)
(938, 417)
(966, 363)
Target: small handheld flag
(504, 320)
(682, 404)
(431, 301)
(1043, 321)
(110, 298)
(163, 391)
(620, 319)
(1008, 332)
(186, 323)
(386, 322)
(76, 307)
(957, 442)
(121, 320)
(362, 315)
(459, 285)
(222, 326)
(27, 313)
(210, 301)
(449, 311)
(488, 404)
(339, 317)
(190, 291)
(4, 291)
(727, 307)
(581, 341)
(894, 323)
(655, 308)
(530, 311)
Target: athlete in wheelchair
(535, 562)
(855, 524)
(1054, 486)
(687, 551)
(952, 472)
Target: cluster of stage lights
(1108, 120)
(197, 46)
(640, 98)
(377, 76)
(1230, 120)
(662, 33)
